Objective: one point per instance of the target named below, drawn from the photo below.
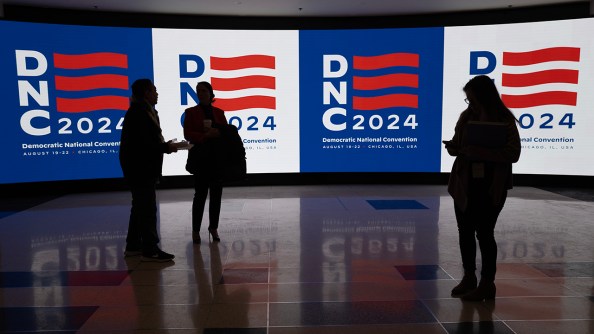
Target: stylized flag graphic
(85, 78)
(383, 78)
(245, 82)
(533, 83)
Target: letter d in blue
(474, 60)
(184, 68)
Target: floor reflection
(311, 259)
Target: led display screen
(359, 100)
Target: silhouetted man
(141, 157)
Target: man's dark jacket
(141, 147)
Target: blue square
(422, 272)
(396, 204)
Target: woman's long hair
(484, 90)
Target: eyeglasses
(466, 100)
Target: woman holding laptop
(486, 142)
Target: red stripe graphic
(386, 81)
(385, 61)
(91, 60)
(241, 62)
(244, 82)
(247, 102)
(250, 81)
(91, 104)
(540, 99)
(539, 78)
(541, 56)
(385, 101)
(91, 82)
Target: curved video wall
(357, 100)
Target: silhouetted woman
(479, 181)
(201, 125)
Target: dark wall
(572, 10)
(98, 18)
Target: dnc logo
(246, 81)
(529, 75)
(540, 79)
(81, 84)
(381, 82)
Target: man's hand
(171, 146)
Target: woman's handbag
(197, 156)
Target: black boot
(465, 286)
(485, 291)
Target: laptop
(486, 134)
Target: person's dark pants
(142, 228)
(202, 188)
(479, 219)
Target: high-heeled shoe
(196, 237)
(215, 235)
(486, 290)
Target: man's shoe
(158, 256)
(131, 253)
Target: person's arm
(169, 147)
(454, 145)
(214, 131)
(193, 127)
(140, 133)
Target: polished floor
(295, 259)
